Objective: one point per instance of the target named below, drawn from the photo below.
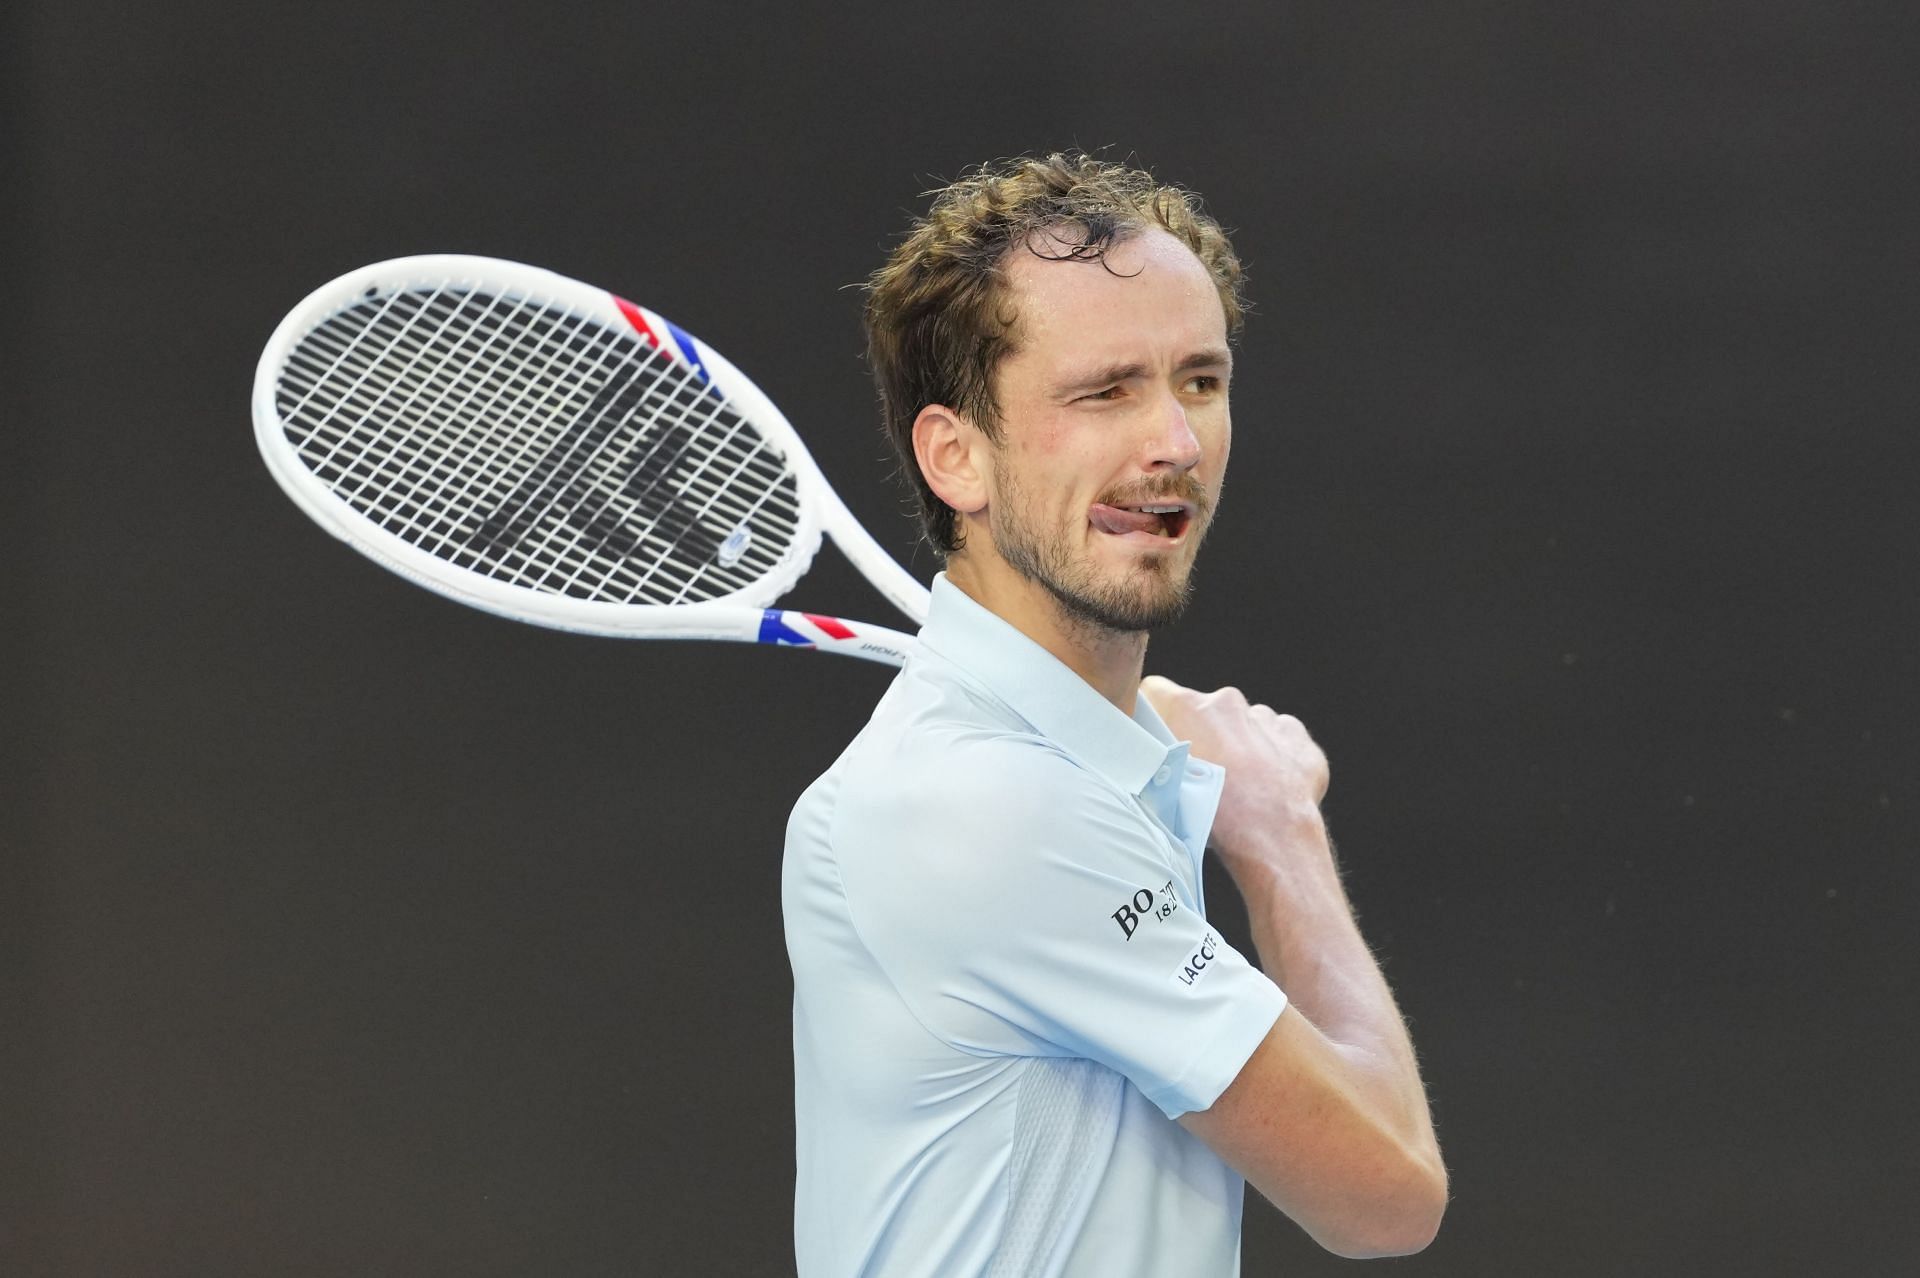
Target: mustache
(1183, 488)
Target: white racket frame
(741, 616)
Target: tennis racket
(541, 449)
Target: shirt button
(1161, 777)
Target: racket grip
(835, 635)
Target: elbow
(1397, 1215)
(1400, 1234)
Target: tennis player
(1020, 1048)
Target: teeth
(1158, 510)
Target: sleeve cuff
(1220, 1060)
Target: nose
(1172, 444)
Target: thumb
(1162, 692)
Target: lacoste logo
(1199, 961)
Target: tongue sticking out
(1112, 519)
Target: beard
(1149, 593)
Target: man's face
(1114, 428)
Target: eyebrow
(1108, 374)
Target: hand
(1276, 775)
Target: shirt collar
(1039, 688)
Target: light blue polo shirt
(1005, 986)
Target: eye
(1206, 384)
(1114, 391)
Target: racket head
(538, 448)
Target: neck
(1111, 661)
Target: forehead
(1147, 287)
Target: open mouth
(1152, 519)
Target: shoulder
(937, 738)
(959, 803)
(947, 777)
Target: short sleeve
(1022, 905)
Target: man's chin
(1126, 608)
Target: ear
(948, 448)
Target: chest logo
(1146, 904)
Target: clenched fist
(1276, 775)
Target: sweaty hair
(938, 317)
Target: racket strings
(513, 517)
(409, 469)
(538, 447)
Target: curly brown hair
(937, 316)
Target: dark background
(347, 931)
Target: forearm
(1327, 1118)
(1309, 943)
